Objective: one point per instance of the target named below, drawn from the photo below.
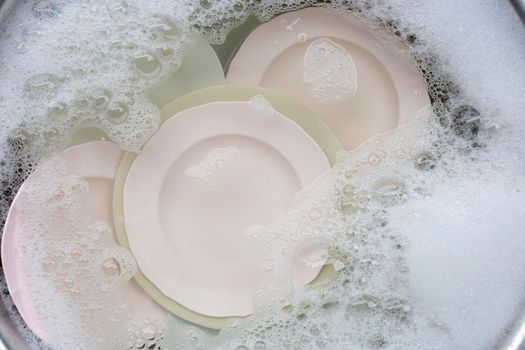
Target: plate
(190, 147)
(97, 163)
(229, 167)
(284, 55)
(200, 68)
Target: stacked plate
(230, 154)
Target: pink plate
(206, 176)
(96, 162)
(390, 91)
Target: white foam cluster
(261, 104)
(423, 225)
(219, 163)
(330, 75)
(126, 51)
(68, 65)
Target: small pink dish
(96, 162)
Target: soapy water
(423, 225)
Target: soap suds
(422, 224)
(217, 166)
(330, 75)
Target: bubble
(398, 308)
(302, 316)
(338, 265)
(48, 263)
(45, 9)
(165, 53)
(83, 104)
(101, 99)
(374, 159)
(42, 86)
(69, 282)
(8, 192)
(111, 267)
(348, 190)
(238, 7)
(259, 345)
(305, 339)
(390, 191)
(59, 255)
(140, 343)
(75, 292)
(147, 65)
(118, 8)
(149, 332)
(76, 254)
(59, 195)
(51, 134)
(361, 305)
(425, 161)
(321, 343)
(169, 28)
(330, 305)
(297, 345)
(377, 341)
(117, 113)
(206, 4)
(315, 331)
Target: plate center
(248, 183)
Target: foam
(76, 271)
(262, 105)
(330, 75)
(217, 166)
(422, 225)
